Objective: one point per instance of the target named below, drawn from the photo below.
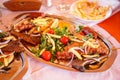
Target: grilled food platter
(13, 61)
(58, 42)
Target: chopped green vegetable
(61, 31)
(36, 51)
(53, 57)
(88, 36)
(3, 34)
(52, 42)
(59, 46)
(79, 28)
(43, 42)
(1, 63)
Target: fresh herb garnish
(3, 34)
(88, 36)
(79, 28)
(36, 51)
(53, 56)
(61, 31)
(1, 63)
(59, 46)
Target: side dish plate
(13, 60)
(17, 70)
(99, 12)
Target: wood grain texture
(23, 5)
(18, 69)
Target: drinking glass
(62, 5)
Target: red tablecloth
(112, 25)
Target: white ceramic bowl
(90, 21)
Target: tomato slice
(51, 31)
(46, 55)
(81, 33)
(64, 40)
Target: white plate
(91, 22)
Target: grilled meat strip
(64, 55)
(23, 26)
(102, 49)
(34, 40)
(13, 46)
(87, 30)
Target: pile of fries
(88, 10)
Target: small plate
(18, 65)
(18, 68)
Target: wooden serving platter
(13, 60)
(37, 18)
(107, 64)
(104, 67)
(18, 67)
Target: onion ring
(5, 42)
(70, 60)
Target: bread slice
(23, 5)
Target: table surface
(40, 71)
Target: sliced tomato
(46, 55)
(81, 33)
(64, 40)
(51, 31)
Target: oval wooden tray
(18, 68)
(107, 64)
